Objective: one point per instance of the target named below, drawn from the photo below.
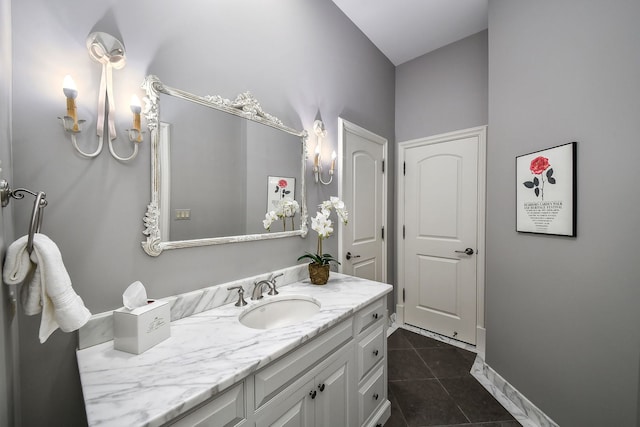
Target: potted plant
(285, 208)
(321, 224)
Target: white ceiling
(406, 29)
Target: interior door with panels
(440, 229)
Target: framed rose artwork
(546, 191)
(279, 188)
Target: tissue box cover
(135, 331)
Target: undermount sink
(279, 311)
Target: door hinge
(383, 232)
(404, 168)
(382, 166)
(403, 232)
(403, 295)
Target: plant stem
(319, 249)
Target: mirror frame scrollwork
(245, 106)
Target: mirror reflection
(219, 172)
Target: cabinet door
(295, 409)
(336, 389)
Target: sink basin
(279, 311)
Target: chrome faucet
(257, 289)
(258, 286)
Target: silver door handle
(467, 251)
(349, 256)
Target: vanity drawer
(224, 410)
(371, 395)
(371, 349)
(370, 315)
(275, 377)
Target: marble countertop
(206, 353)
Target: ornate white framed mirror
(218, 166)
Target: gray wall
(302, 60)
(6, 228)
(563, 313)
(444, 90)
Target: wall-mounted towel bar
(6, 193)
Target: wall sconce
(108, 51)
(70, 122)
(319, 130)
(135, 135)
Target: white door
(441, 235)
(363, 190)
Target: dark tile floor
(430, 385)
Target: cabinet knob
(375, 315)
(378, 425)
(375, 396)
(321, 387)
(375, 352)
(312, 393)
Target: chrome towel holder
(6, 193)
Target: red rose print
(539, 165)
(282, 183)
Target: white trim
(164, 151)
(481, 341)
(481, 133)
(346, 126)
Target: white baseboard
(481, 341)
(400, 314)
(522, 409)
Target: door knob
(467, 251)
(349, 256)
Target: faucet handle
(241, 300)
(272, 288)
(274, 277)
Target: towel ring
(37, 213)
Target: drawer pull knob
(375, 396)
(375, 352)
(321, 387)
(375, 315)
(312, 393)
(378, 425)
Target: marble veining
(513, 401)
(99, 329)
(206, 353)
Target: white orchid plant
(285, 208)
(323, 225)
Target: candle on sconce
(316, 157)
(333, 160)
(71, 92)
(136, 109)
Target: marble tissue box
(137, 330)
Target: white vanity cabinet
(337, 379)
(321, 397)
(225, 410)
(371, 359)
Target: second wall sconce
(108, 51)
(319, 130)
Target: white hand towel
(49, 290)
